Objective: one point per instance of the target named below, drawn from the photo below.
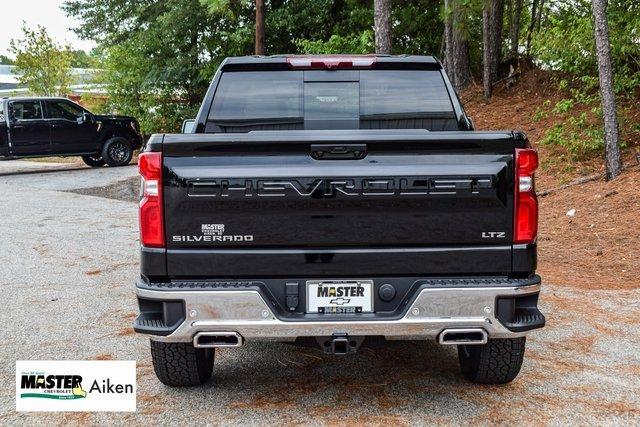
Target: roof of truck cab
(280, 61)
(30, 98)
(379, 58)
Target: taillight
(525, 225)
(330, 62)
(151, 222)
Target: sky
(34, 12)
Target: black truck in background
(43, 127)
(336, 198)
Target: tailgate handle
(338, 151)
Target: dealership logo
(75, 385)
(340, 301)
(213, 229)
(340, 291)
(41, 385)
(213, 233)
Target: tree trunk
(260, 48)
(514, 31)
(532, 24)
(487, 48)
(539, 17)
(382, 25)
(456, 47)
(498, 17)
(448, 43)
(613, 162)
(492, 14)
(460, 50)
(443, 48)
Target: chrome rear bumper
(245, 312)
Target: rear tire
(94, 161)
(181, 364)
(117, 152)
(496, 362)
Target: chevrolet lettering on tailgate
(328, 187)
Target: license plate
(339, 296)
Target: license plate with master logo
(339, 296)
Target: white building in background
(82, 82)
(8, 80)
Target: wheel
(94, 161)
(496, 362)
(117, 152)
(181, 364)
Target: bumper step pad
(526, 320)
(150, 323)
(159, 317)
(520, 314)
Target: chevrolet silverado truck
(331, 199)
(44, 127)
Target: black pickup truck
(333, 199)
(43, 127)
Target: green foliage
(566, 43)
(136, 88)
(542, 112)
(41, 64)
(563, 106)
(5, 60)
(577, 135)
(339, 44)
(159, 57)
(95, 103)
(81, 59)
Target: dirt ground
(599, 246)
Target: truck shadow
(380, 376)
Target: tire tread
(181, 364)
(497, 362)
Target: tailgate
(338, 203)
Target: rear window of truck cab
(26, 110)
(351, 99)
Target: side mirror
(188, 126)
(86, 117)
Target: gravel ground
(67, 264)
(25, 166)
(70, 179)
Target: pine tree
(613, 162)
(382, 25)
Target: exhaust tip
(217, 339)
(472, 336)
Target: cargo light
(151, 219)
(525, 225)
(333, 62)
